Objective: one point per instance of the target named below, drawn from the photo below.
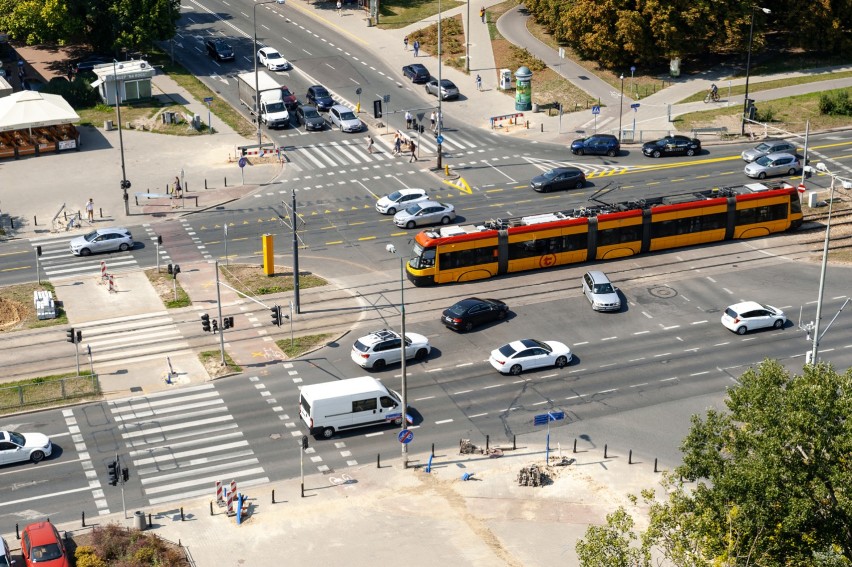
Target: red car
(41, 546)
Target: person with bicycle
(713, 93)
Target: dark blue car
(319, 97)
(598, 144)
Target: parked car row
(418, 73)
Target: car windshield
(273, 55)
(91, 236)
(763, 160)
(768, 308)
(361, 346)
(395, 196)
(550, 174)
(413, 209)
(321, 93)
(507, 350)
(286, 92)
(447, 84)
(347, 116)
(42, 553)
(17, 438)
(762, 147)
(275, 107)
(603, 288)
(311, 113)
(458, 309)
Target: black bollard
(205, 183)
(181, 513)
(487, 439)
(149, 521)
(211, 507)
(655, 465)
(17, 533)
(65, 214)
(273, 496)
(433, 450)
(630, 457)
(101, 210)
(378, 462)
(12, 222)
(575, 444)
(604, 450)
(35, 220)
(186, 187)
(226, 182)
(83, 518)
(514, 439)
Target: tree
(610, 545)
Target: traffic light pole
(219, 305)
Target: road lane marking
(443, 421)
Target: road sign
(634, 106)
(243, 161)
(405, 436)
(358, 91)
(386, 98)
(208, 99)
(633, 69)
(440, 139)
(548, 417)
(596, 109)
(801, 188)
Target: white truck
(346, 404)
(271, 107)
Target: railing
(47, 391)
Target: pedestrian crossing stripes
(354, 152)
(57, 261)
(181, 442)
(134, 338)
(590, 169)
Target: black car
(416, 72)
(219, 49)
(671, 145)
(319, 97)
(472, 312)
(310, 118)
(557, 179)
(598, 144)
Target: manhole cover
(663, 292)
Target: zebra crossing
(180, 442)
(353, 152)
(135, 338)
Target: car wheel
(581, 152)
(468, 327)
(379, 364)
(85, 252)
(445, 220)
(561, 362)
(778, 324)
(421, 354)
(398, 421)
(741, 330)
(391, 211)
(761, 175)
(579, 185)
(37, 456)
(690, 152)
(501, 315)
(656, 153)
(328, 432)
(792, 172)
(410, 224)
(515, 370)
(124, 247)
(611, 153)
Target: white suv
(381, 348)
(344, 119)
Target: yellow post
(357, 108)
(447, 170)
(268, 255)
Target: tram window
(465, 258)
(795, 205)
(611, 236)
(427, 259)
(761, 214)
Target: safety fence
(45, 391)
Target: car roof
(341, 108)
(380, 335)
(41, 533)
(111, 229)
(567, 170)
(598, 276)
(776, 155)
(745, 306)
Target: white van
(346, 404)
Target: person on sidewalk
(339, 8)
(479, 83)
(413, 155)
(397, 144)
(408, 120)
(90, 210)
(416, 47)
(432, 118)
(482, 14)
(405, 42)
(370, 144)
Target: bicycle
(711, 96)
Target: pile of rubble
(532, 475)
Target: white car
(381, 348)
(425, 212)
(5, 554)
(273, 60)
(750, 315)
(16, 447)
(102, 240)
(399, 200)
(344, 119)
(526, 354)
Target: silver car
(426, 212)
(600, 292)
(344, 119)
(773, 164)
(768, 147)
(102, 240)
(448, 89)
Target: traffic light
(377, 108)
(205, 323)
(215, 325)
(79, 336)
(227, 322)
(160, 239)
(276, 315)
(170, 269)
(176, 270)
(125, 474)
(70, 335)
(38, 250)
(125, 184)
(304, 442)
(112, 471)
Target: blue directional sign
(243, 161)
(596, 109)
(405, 436)
(440, 139)
(208, 99)
(634, 106)
(548, 417)
(633, 69)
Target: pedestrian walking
(70, 73)
(478, 83)
(90, 210)
(339, 8)
(413, 147)
(405, 42)
(432, 118)
(416, 47)
(482, 14)
(397, 144)
(408, 120)
(370, 144)
(176, 192)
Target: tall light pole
(467, 41)
(439, 125)
(620, 108)
(125, 184)
(392, 249)
(256, 86)
(748, 62)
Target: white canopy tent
(30, 109)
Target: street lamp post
(620, 108)
(467, 41)
(125, 185)
(439, 124)
(404, 401)
(748, 62)
(256, 85)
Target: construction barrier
(497, 121)
(220, 500)
(112, 287)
